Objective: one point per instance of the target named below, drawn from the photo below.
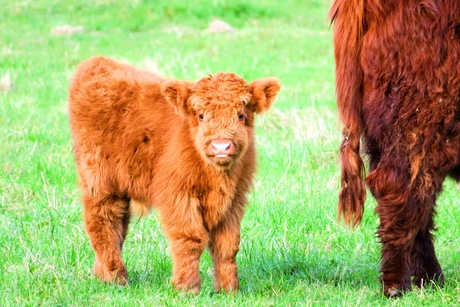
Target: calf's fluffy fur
(183, 148)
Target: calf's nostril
(222, 147)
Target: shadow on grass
(262, 269)
(273, 272)
(285, 268)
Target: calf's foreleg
(183, 225)
(224, 245)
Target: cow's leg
(106, 223)
(396, 251)
(426, 265)
(405, 207)
(224, 245)
(183, 225)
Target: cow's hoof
(393, 293)
(436, 278)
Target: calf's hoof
(189, 286)
(231, 287)
(118, 276)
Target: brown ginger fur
(398, 88)
(141, 141)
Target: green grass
(292, 253)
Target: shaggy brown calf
(184, 148)
(398, 87)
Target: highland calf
(398, 88)
(184, 148)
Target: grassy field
(293, 252)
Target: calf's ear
(176, 93)
(263, 92)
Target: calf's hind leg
(106, 223)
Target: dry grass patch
(6, 83)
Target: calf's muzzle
(221, 148)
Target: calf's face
(220, 111)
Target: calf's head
(220, 111)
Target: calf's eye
(201, 117)
(241, 117)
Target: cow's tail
(349, 27)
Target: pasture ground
(293, 252)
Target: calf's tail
(349, 26)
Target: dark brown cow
(398, 87)
(184, 148)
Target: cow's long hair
(348, 31)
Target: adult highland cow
(398, 88)
(184, 148)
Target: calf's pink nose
(222, 147)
